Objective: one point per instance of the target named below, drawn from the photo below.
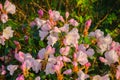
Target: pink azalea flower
(73, 22)
(67, 72)
(55, 15)
(12, 68)
(111, 57)
(65, 28)
(2, 70)
(20, 77)
(20, 56)
(90, 52)
(43, 34)
(36, 65)
(82, 58)
(102, 59)
(9, 7)
(46, 27)
(39, 22)
(52, 38)
(67, 15)
(41, 53)
(40, 12)
(27, 64)
(37, 78)
(49, 67)
(4, 18)
(66, 59)
(56, 30)
(2, 40)
(72, 37)
(61, 19)
(50, 50)
(1, 6)
(98, 77)
(88, 23)
(65, 51)
(82, 75)
(118, 72)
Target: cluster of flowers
(70, 53)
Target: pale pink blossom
(66, 59)
(49, 67)
(98, 77)
(82, 58)
(36, 65)
(118, 72)
(99, 33)
(88, 23)
(27, 64)
(111, 57)
(2, 40)
(52, 38)
(73, 22)
(41, 53)
(82, 75)
(7, 32)
(67, 15)
(67, 72)
(102, 59)
(20, 77)
(2, 70)
(46, 27)
(37, 78)
(72, 37)
(1, 6)
(43, 34)
(20, 56)
(65, 50)
(56, 30)
(50, 50)
(39, 22)
(90, 52)
(12, 68)
(65, 28)
(55, 15)
(9, 7)
(62, 19)
(57, 67)
(4, 18)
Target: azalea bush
(52, 46)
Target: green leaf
(41, 43)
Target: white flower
(111, 57)
(9, 7)
(7, 33)
(12, 68)
(82, 57)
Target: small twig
(48, 4)
(99, 22)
